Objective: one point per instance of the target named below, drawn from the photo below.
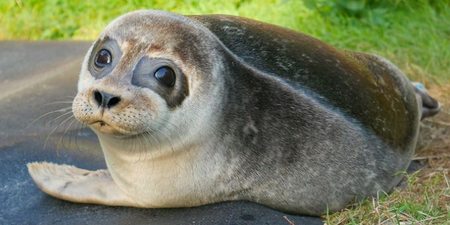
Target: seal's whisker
(173, 126)
(80, 126)
(71, 96)
(148, 135)
(53, 103)
(50, 102)
(183, 129)
(141, 147)
(136, 147)
(170, 142)
(48, 113)
(62, 115)
(74, 135)
(58, 102)
(142, 143)
(149, 150)
(156, 138)
(55, 129)
(64, 133)
(145, 144)
(133, 148)
(61, 143)
(72, 132)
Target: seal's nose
(106, 100)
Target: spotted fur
(258, 113)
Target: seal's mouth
(99, 124)
(105, 128)
(109, 129)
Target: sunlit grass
(424, 200)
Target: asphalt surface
(39, 78)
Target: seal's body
(202, 109)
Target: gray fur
(263, 114)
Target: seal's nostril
(113, 101)
(106, 100)
(98, 97)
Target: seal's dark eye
(166, 76)
(103, 58)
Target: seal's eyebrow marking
(155, 48)
(102, 40)
(143, 76)
(114, 49)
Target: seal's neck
(151, 175)
(146, 147)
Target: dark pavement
(40, 77)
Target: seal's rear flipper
(430, 106)
(78, 185)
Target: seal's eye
(103, 58)
(166, 76)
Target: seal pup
(203, 109)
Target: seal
(193, 110)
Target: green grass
(423, 201)
(414, 34)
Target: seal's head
(143, 72)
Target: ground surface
(35, 73)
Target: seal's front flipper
(78, 185)
(430, 106)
